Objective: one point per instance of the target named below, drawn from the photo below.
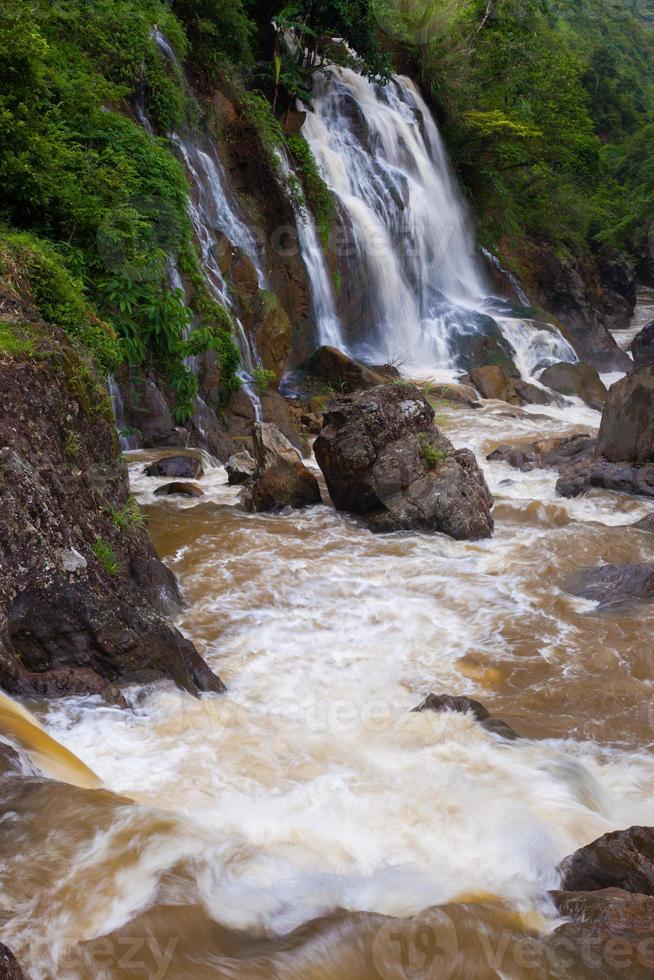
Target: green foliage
(216, 29)
(262, 379)
(318, 195)
(431, 456)
(15, 341)
(127, 517)
(544, 103)
(107, 557)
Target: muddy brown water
(308, 824)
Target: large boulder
(281, 478)
(622, 859)
(580, 380)
(333, 367)
(383, 456)
(642, 346)
(179, 489)
(613, 585)
(627, 429)
(176, 467)
(463, 705)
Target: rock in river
(383, 457)
(281, 478)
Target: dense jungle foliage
(547, 107)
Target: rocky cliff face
(83, 596)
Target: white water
(412, 279)
(128, 440)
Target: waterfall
(412, 285)
(328, 328)
(215, 215)
(127, 440)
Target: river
(307, 823)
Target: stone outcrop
(384, 458)
(627, 430)
(586, 309)
(81, 590)
(580, 380)
(281, 478)
(614, 585)
(642, 346)
(463, 705)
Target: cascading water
(216, 217)
(413, 285)
(127, 440)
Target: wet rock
(627, 429)
(580, 380)
(61, 481)
(275, 409)
(598, 472)
(614, 585)
(572, 291)
(9, 966)
(240, 468)
(645, 523)
(147, 412)
(183, 467)
(341, 372)
(492, 381)
(610, 936)
(463, 393)
(281, 478)
(383, 457)
(463, 705)
(622, 859)
(486, 347)
(178, 489)
(272, 332)
(642, 346)
(552, 453)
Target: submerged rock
(622, 859)
(240, 468)
(612, 585)
(645, 523)
(179, 490)
(383, 457)
(627, 429)
(342, 373)
(463, 705)
(281, 478)
(642, 346)
(552, 453)
(579, 380)
(184, 467)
